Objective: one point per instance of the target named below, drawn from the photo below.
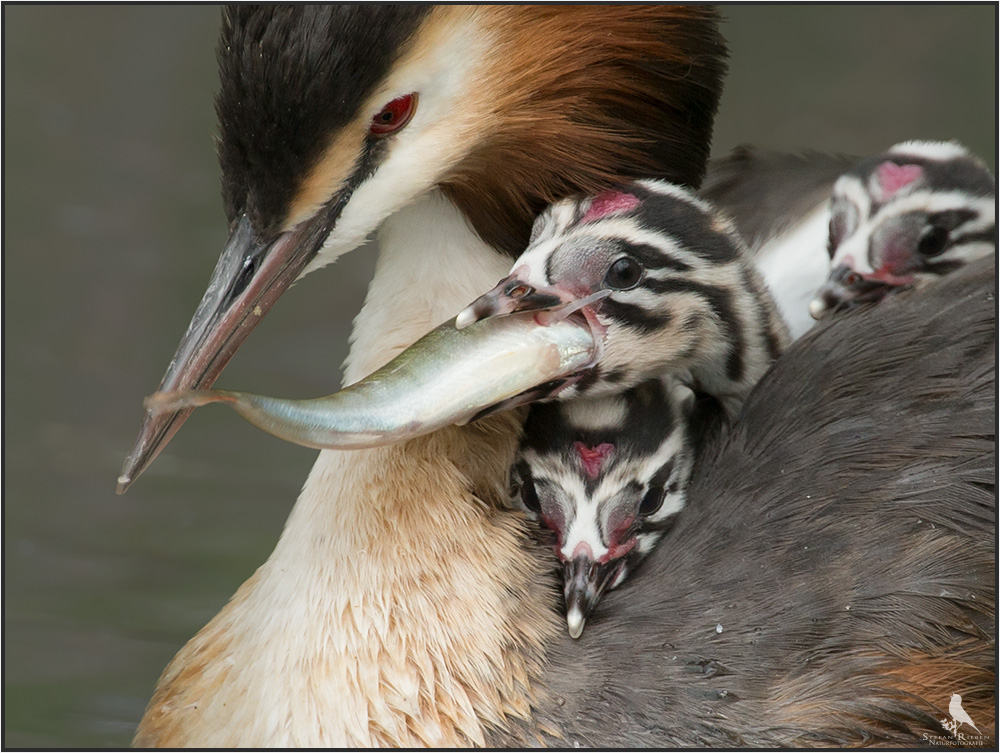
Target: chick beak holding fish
(513, 294)
(513, 345)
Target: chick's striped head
(662, 278)
(903, 218)
(607, 475)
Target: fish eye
(933, 241)
(623, 274)
(653, 500)
(393, 116)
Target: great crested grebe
(404, 604)
(411, 606)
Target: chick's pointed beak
(584, 582)
(250, 276)
(845, 289)
(512, 294)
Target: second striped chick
(608, 476)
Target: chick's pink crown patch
(610, 202)
(892, 177)
(593, 458)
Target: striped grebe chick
(904, 218)
(666, 280)
(607, 475)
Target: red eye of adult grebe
(393, 116)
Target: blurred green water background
(112, 224)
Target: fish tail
(176, 400)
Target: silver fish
(449, 376)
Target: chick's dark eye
(652, 501)
(530, 497)
(393, 116)
(933, 241)
(625, 273)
